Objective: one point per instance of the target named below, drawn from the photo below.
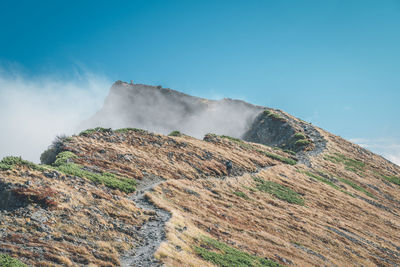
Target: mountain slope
(111, 197)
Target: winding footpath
(152, 233)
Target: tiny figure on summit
(131, 82)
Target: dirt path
(152, 233)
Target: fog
(36, 109)
(164, 110)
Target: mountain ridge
(291, 194)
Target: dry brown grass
(202, 203)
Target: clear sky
(334, 63)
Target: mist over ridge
(164, 110)
(37, 109)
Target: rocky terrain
(292, 194)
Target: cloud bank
(35, 110)
(388, 148)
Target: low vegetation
(302, 142)
(274, 115)
(245, 145)
(95, 130)
(127, 130)
(49, 155)
(280, 191)
(241, 194)
(225, 256)
(109, 130)
(392, 179)
(175, 133)
(64, 164)
(289, 152)
(350, 164)
(326, 181)
(277, 157)
(356, 187)
(10, 162)
(7, 261)
(299, 136)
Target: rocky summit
(163, 178)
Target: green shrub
(225, 256)
(5, 167)
(175, 133)
(49, 155)
(7, 261)
(64, 158)
(280, 191)
(299, 136)
(241, 194)
(267, 112)
(302, 142)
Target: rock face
(164, 110)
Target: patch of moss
(175, 133)
(7, 261)
(225, 256)
(280, 191)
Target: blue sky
(334, 63)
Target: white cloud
(388, 148)
(34, 110)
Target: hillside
(292, 194)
